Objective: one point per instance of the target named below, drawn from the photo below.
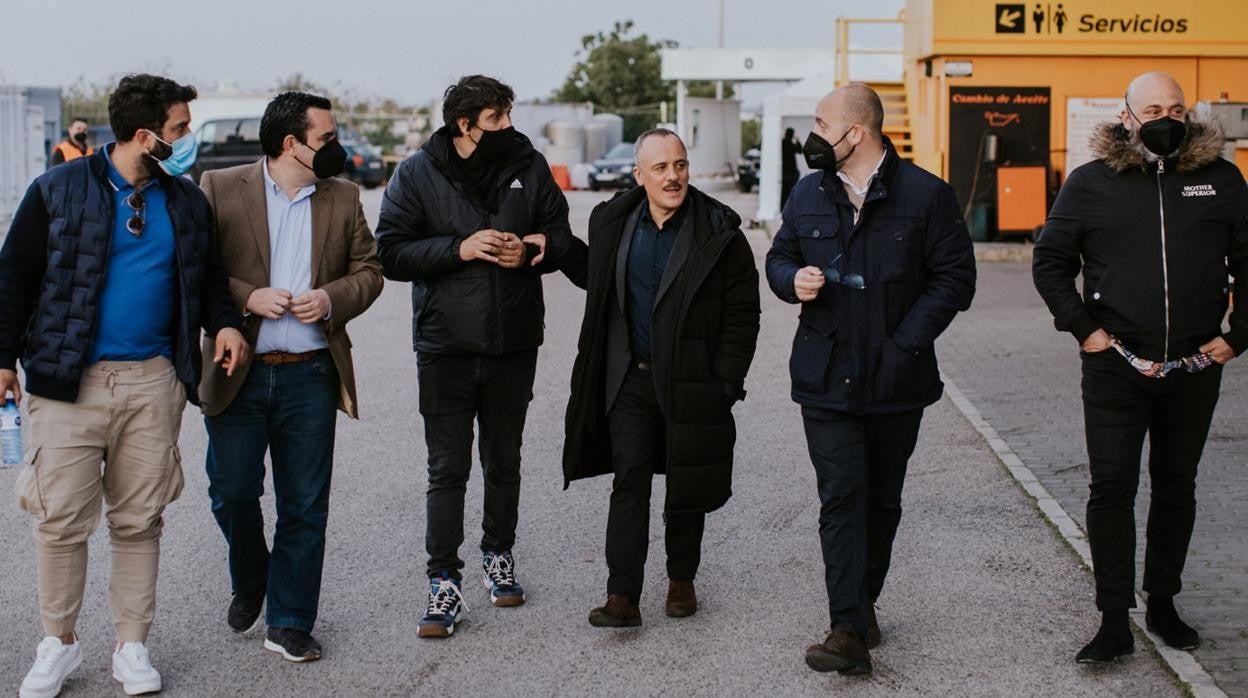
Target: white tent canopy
(793, 107)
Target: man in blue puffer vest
(109, 271)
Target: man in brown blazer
(302, 263)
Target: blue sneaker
(446, 607)
(500, 579)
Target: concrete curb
(1183, 664)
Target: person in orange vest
(75, 144)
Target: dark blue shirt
(648, 252)
(140, 287)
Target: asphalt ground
(983, 599)
(1024, 377)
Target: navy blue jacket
(52, 270)
(871, 350)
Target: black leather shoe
(873, 628)
(1163, 619)
(293, 644)
(844, 651)
(244, 611)
(1113, 640)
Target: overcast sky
(405, 49)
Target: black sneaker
(245, 610)
(293, 644)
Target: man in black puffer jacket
(473, 220)
(1154, 225)
(109, 271)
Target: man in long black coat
(670, 326)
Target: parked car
(747, 170)
(364, 164)
(613, 170)
(225, 143)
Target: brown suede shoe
(618, 612)
(843, 652)
(682, 602)
(873, 628)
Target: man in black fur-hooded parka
(1155, 225)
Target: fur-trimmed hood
(1115, 145)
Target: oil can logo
(1010, 18)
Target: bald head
(1151, 96)
(854, 103)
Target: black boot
(1162, 619)
(1113, 640)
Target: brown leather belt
(277, 358)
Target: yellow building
(992, 86)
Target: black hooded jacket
(1154, 241)
(431, 205)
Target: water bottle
(11, 452)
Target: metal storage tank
(597, 133)
(566, 155)
(567, 143)
(615, 128)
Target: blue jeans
(290, 410)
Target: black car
(226, 143)
(613, 170)
(747, 170)
(364, 165)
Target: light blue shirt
(290, 267)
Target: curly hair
(468, 97)
(141, 102)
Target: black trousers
(638, 447)
(455, 391)
(860, 467)
(1120, 407)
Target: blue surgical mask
(181, 157)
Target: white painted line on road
(1183, 664)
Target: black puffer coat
(705, 330)
(471, 307)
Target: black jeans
(290, 410)
(638, 448)
(1120, 406)
(860, 466)
(455, 391)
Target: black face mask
(329, 161)
(493, 145)
(80, 138)
(1161, 136)
(821, 155)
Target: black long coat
(705, 329)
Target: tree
(621, 73)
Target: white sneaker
(54, 662)
(133, 668)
